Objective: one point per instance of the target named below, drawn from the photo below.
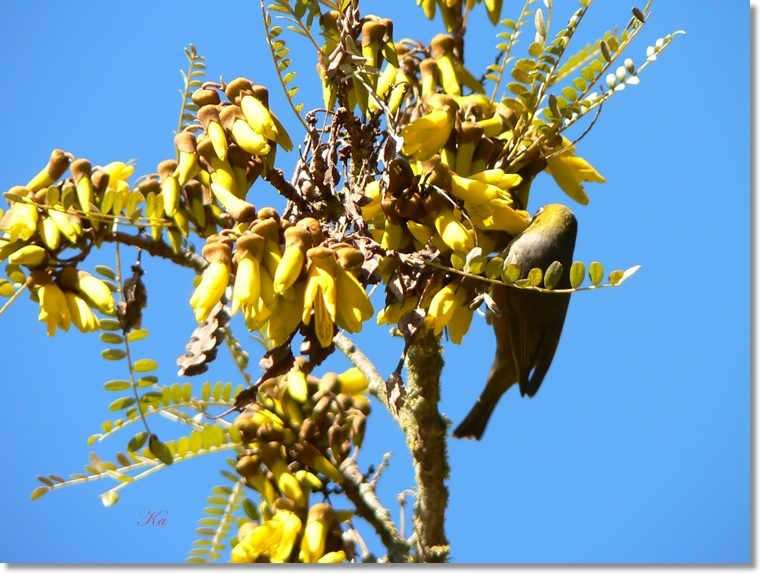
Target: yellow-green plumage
(530, 322)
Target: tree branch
(159, 248)
(425, 430)
(363, 496)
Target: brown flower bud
(205, 97)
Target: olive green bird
(530, 322)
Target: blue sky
(637, 447)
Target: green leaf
(137, 335)
(206, 390)
(517, 88)
(113, 354)
(570, 93)
(137, 442)
(596, 273)
(6, 288)
(113, 338)
(577, 274)
(511, 273)
(458, 259)
(227, 390)
(615, 277)
(251, 510)
(534, 276)
(45, 480)
(187, 391)
(222, 490)
(160, 450)
(580, 84)
(535, 49)
(39, 492)
(144, 365)
(217, 391)
(553, 274)
(216, 500)
(151, 397)
(107, 426)
(147, 380)
(109, 498)
(121, 403)
(521, 76)
(628, 272)
(117, 385)
(106, 271)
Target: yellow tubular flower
(209, 116)
(497, 177)
(498, 215)
(275, 538)
(429, 77)
(258, 117)
(57, 166)
(320, 293)
(214, 281)
(54, 309)
(81, 314)
(95, 292)
(392, 313)
(286, 315)
(494, 7)
(352, 381)
(469, 135)
(170, 187)
(466, 189)
(316, 529)
(118, 172)
(30, 256)
(287, 484)
(569, 171)
(247, 286)
(298, 241)
(453, 233)
(352, 304)
(442, 47)
(463, 76)
(235, 123)
(82, 170)
(240, 209)
(461, 318)
(427, 135)
(333, 557)
(187, 166)
(373, 208)
(49, 233)
(65, 225)
(22, 222)
(441, 309)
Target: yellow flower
(22, 222)
(81, 314)
(352, 304)
(497, 215)
(441, 309)
(352, 381)
(318, 523)
(569, 171)
(427, 135)
(275, 539)
(118, 172)
(320, 294)
(333, 557)
(298, 241)
(286, 314)
(54, 310)
(214, 281)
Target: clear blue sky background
(637, 447)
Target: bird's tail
(476, 420)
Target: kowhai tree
(413, 178)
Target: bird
(529, 324)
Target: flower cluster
(295, 438)
(285, 274)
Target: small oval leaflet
(109, 498)
(615, 277)
(596, 273)
(553, 274)
(144, 365)
(117, 385)
(39, 492)
(106, 271)
(137, 335)
(494, 267)
(137, 442)
(6, 288)
(110, 325)
(534, 277)
(121, 403)
(511, 273)
(577, 274)
(160, 449)
(113, 354)
(113, 338)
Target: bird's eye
(539, 211)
